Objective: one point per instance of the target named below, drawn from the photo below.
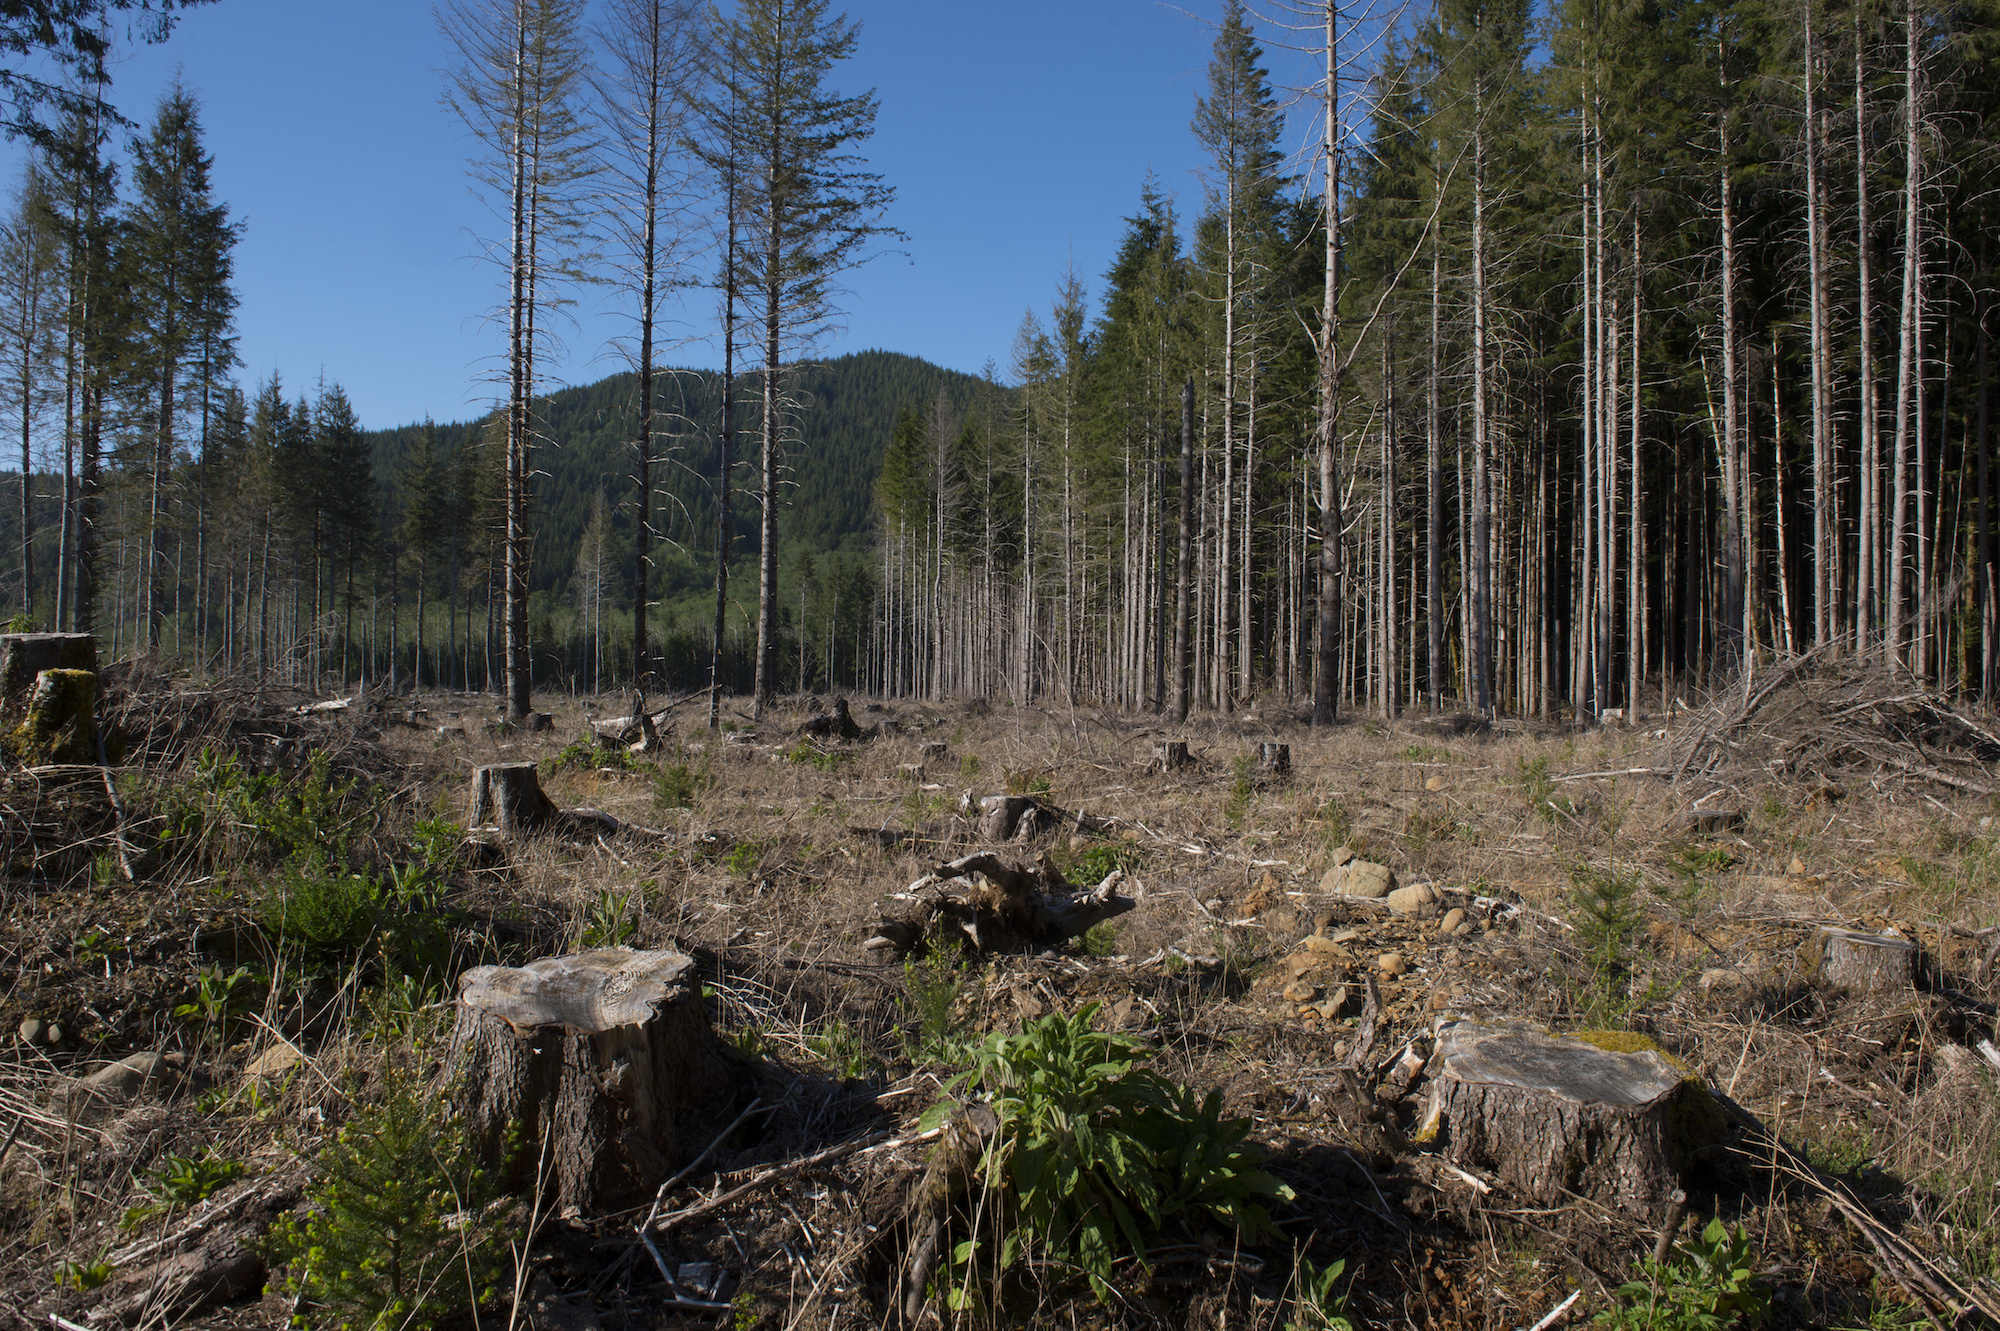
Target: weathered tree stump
(1862, 963)
(596, 1057)
(1274, 759)
(836, 724)
(1000, 815)
(1554, 1115)
(933, 751)
(24, 656)
(1169, 755)
(509, 796)
(999, 906)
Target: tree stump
(1554, 1115)
(596, 1057)
(1169, 755)
(59, 724)
(509, 796)
(24, 656)
(1863, 963)
(1000, 815)
(1274, 759)
(933, 751)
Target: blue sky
(1017, 134)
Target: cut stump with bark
(1274, 759)
(1169, 755)
(509, 796)
(585, 1066)
(24, 656)
(1606, 1117)
(59, 724)
(1863, 963)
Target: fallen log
(997, 906)
(590, 1062)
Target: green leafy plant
(1704, 1285)
(1092, 866)
(1101, 940)
(968, 766)
(404, 1229)
(218, 999)
(84, 1276)
(1336, 824)
(840, 1047)
(587, 755)
(439, 843)
(1242, 789)
(1319, 1304)
(743, 857)
(1095, 1151)
(605, 923)
(182, 1181)
(932, 985)
(822, 760)
(680, 785)
(1539, 790)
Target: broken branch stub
(596, 1057)
(998, 906)
(1555, 1115)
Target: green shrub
(180, 1182)
(805, 754)
(933, 1030)
(227, 813)
(587, 755)
(1091, 867)
(679, 786)
(605, 923)
(1604, 908)
(841, 1048)
(1096, 1151)
(402, 1229)
(1704, 1285)
(1242, 789)
(335, 916)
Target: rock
(1366, 879)
(276, 1061)
(1453, 918)
(1412, 900)
(1392, 964)
(1326, 947)
(1434, 783)
(127, 1077)
(1798, 867)
(1345, 936)
(33, 1030)
(1298, 991)
(1341, 855)
(1329, 1008)
(1268, 892)
(1721, 980)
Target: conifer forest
(1533, 361)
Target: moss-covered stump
(59, 720)
(579, 1070)
(1608, 1118)
(1861, 963)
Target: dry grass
(765, 879)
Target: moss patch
(61, 725)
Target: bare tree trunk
(1909, 399)
(1183, 656)
(1326, 682)
(1434, 520)
(1989, 620)
(1481, 644)
(1635, 590)
(1733, 595)
(1825, 518)
(520, 352)
(1868, 571)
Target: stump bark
(59, 724)
(509, 796)
(1000, 815)
(24, 656)
(597, 1057)
(1274, 759)
(1864, 963)
(1169, 755)
(999, 907)
(1555, 1115)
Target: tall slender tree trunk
(1825, 589)
(1434, 518)
(1734, 519)
(1482, 566)
(1326, 683)
(1183, 648)
(1909, 392)
(1868, 573)
(520, 382)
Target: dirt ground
(770, 857)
